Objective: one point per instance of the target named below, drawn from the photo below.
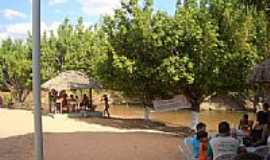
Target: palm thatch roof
(261, 73)
(71, 80)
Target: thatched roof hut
(71, 80)
(261, 73)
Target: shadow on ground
(121, 123)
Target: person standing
(107, 106)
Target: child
(202, 136)
(107, 106)
(194, 141)
(245, 125)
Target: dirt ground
(94, 146)
(88, 139)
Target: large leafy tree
(15, 58)
(72, 47)
(203, 50)
(260, 6)
(136, 36)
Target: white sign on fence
(178, 102)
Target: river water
(180, 118)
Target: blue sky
(15, 15)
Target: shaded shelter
(72, 80)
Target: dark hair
(245, 116)
(262, 117)
(201, 134)
(248, 156)
(200, 125)
(265, 106)
(224, 127)
(241, 149)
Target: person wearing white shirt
(223, 143)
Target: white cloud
(55, 2)
(11, 14)
(20, 30)
(99, 7)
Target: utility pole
(36, 79)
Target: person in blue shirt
(194, 142)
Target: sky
(15, 15)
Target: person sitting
(64, 103)
(259, 133)
(72, 103)
(266, 110)
(85, 102)
(194, 141)
(245, 124)
(202, 136)
(223, 143)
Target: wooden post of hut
(91, 97)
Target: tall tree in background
(260, 6)
(72, 47)
(15, 62)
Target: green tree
(72, 47)
(263, 6)
(201, 51)
(15, 58)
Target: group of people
(61, 102)
(232, 143)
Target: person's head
(261, 117)
(265, 106)
(245, 117)
(241, 150)
(65, 95)
(224, 128)
(201, 127)
(248, 156)
(202, 136)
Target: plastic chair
(226, 157)
(262, 151)
(186, 150)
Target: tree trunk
(195, 99)
(195, 104)
(20, 97)
(195, 119)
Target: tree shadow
(142, 124)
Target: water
(183, 118)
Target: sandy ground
(70, 139)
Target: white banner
(178, 102)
